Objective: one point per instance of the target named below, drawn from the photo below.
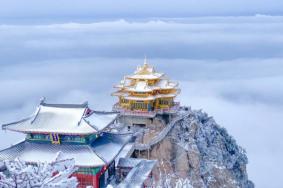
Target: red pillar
(95, 182)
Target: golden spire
(145, 61)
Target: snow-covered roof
(102, 151)
(138, 82)
(146, 72)
(152, 76)
(138, 174)
(128, 162)
(166, 84)
(126, 152)
(100, 120)
(63, 119)
(120, 93)
(36, 152)
(142, 86)
(124, 82)
(110, 145)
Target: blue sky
(227, 56)
(62, 10)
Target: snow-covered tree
(168, 180)
(58, 173)
(183, 183)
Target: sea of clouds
(231, 67)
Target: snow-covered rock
(202, 153)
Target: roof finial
(145, 60)
(42, 100)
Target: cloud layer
(230, 67)
(202, 38)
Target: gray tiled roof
(62, 119)
(138, 175)
(128, 162)
(38, 152)
(102, 151)
(110, 145)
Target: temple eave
(49, 132)
(146, 77)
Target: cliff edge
(199, 153)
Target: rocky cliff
(199, 153)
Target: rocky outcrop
(200, 151)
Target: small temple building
(77, 132)
(145, 94)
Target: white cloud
(199, 38)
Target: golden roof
(145, 72)
(139, 81)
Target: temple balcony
(126, 112)
(142, 113)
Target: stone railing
(161, 135)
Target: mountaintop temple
(144, 95)
(146, 92)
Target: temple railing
(123, 111)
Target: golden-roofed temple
(146, 93)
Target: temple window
(139, 105)
(124, 101)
